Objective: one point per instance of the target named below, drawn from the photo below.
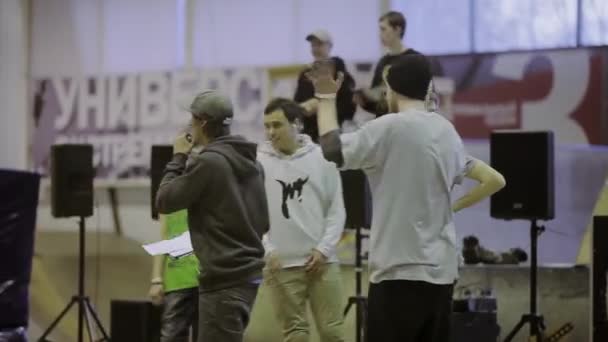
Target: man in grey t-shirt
(413, 158)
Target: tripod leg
(364, 320)
(358, 320)
(57, 320)
(541, 322)
(515, 330)
(537, 328)
(87, 322)
(106, 337)
(347, 309)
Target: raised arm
(326, 90)
(329, 132)
(357, 150)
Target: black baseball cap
(410, 75)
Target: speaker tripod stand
(85, 309)
(536, 321)
(358, 300)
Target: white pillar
(14, 113)
(189, 34)
(385, 6)
(185, 40)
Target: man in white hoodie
(307, 216)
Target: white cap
(321, 35)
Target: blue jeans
(224, 314)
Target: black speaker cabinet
(526, 161)
(357, 200)
(160, 156)
(72, 176)
(475, 326)
(18, 207)
(599, 274)
(134, 321)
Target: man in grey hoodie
(222, 186)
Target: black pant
(224, 314)
(409, 311)
(180, 312)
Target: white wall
(595, 16)
(270, 32)
(103, 36)
(109, 36)
(76, 37)
(13, 85)
(435, 26)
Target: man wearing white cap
(321, 44)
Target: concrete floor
(122, 271)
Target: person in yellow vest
(175, 285)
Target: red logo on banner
(543, 90)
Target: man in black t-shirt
(392, 27)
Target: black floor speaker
(159, 157)
(526, 161)
(599, 277)
(134, 321)
(18, 207)
(475, 326)
(357, 199)
(72, 176)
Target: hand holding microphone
(183, 143)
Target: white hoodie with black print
(305, 203)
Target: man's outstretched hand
(322, 78)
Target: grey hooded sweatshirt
(223, 189)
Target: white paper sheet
(176, 247)
(181, 253)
